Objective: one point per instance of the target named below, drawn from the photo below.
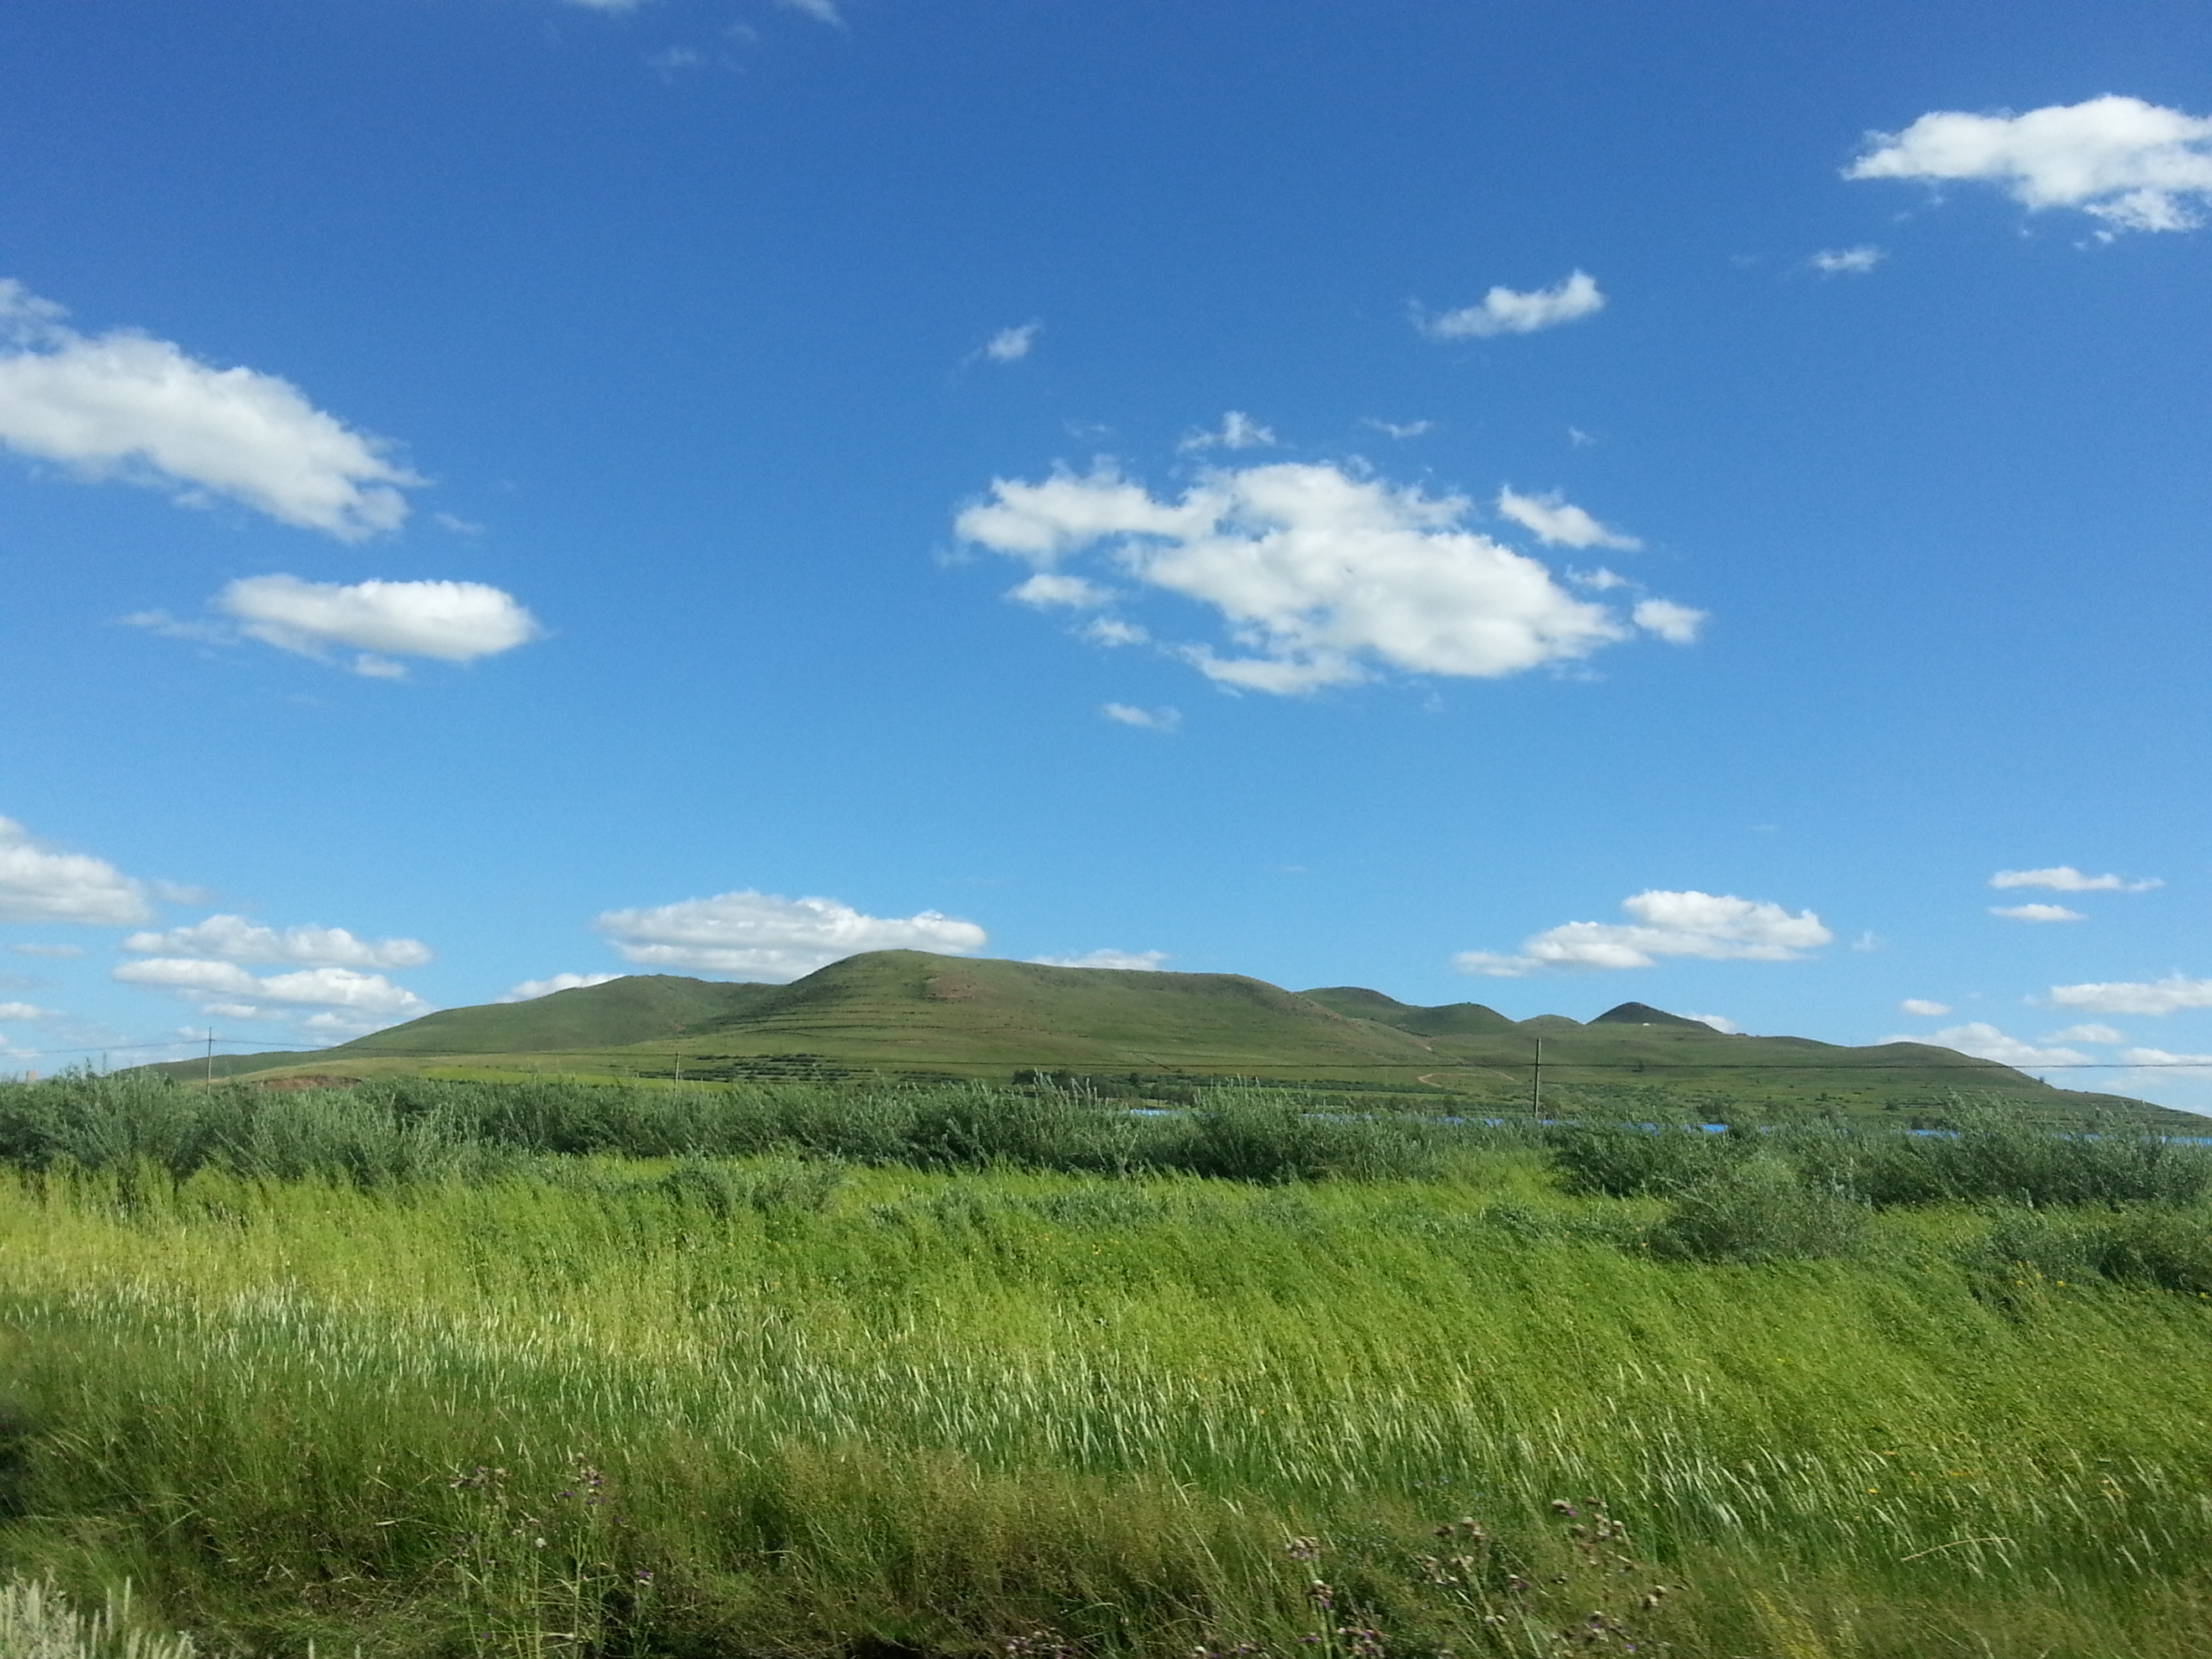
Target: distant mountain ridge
(906, 1011)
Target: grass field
(948, 1394)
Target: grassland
(435, 1370)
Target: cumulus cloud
(1113, 630)
(1720, 1022)
(454, 621)
(1986, 1042)
(39, 883)
(765, 936)
(1557, 522)
(2036, 913)
(1924, 1008)
(1237, 430)
(1011, 345)
(2164, 996)
(1148, 720)
(2134, 165)
(126, 405)
(1715, 926)
(234, 938)
(225, 987)
(1141, 962)
(1321, 575)
(1847, 261)
(2065, 878)
(530, 989)
(1505, 311)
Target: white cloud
(530, 989)
(1142, 962)
(822, 11)
(769, 936)
(1052, 587)
(2089, 1033)
(40, 883)
(234, 938)
(2134, 165)
(229, 988)
(1011, 345)
(1557, 522)
(1986, 1041)
(1505, 311)
(2065, 878)
(1238, 431)
(2036, 913)
(27, 1011)
(1720, 1022)
(2162, 1057)
(1111, 630)
(1321, 575)
(2164, 996)
(60, 950)
(455, 622)
(1715, 926)
(1398, 428)
(1847, 261)
(1600, 580)
(127, 405)
(1150, 720)
(1924, 1008)
(1677, 625)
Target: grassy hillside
(909, 1011)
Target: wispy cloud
(1011, 345)
(126, 405)
(1847, 261)
(1925, 1009)
(1145, 719)
(1986, 1042)
(1557, 522)
(1142, 962)
(1713, 927)
(1237, 430)
(2134, 165)
(2065, 878)
(1508, 310)
(1398, 428)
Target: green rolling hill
(906, 1011)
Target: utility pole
(680, 1063)
(210, 1069)
(1536, 1082)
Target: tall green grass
(794, 1404)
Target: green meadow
(534, 1370)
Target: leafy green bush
(1621, 1157)
(1758, 1210)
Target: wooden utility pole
(1536, 1083)
(211, 1072)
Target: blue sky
(1534, 504)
